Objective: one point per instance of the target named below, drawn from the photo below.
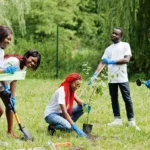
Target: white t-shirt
(1, 58)
(54, 105)
(13, 61)
(117, 73)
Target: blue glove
(88, 106)
(147, 83)
(92, 78)
(13, 100)
(78, 131)
(10, 69)
(108, 61)
(6, 89)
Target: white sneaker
(133, 124)
(116, 122)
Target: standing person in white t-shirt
(60, 113)
(117, 56)
(31, 59)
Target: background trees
(84, 31)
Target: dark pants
(125, 91)
(60, 122)
(5, 98)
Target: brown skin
(6, 41)
(74, 86)
(31, 62)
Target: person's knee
(65, 125)
(68, 127)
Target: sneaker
(133, 124)
(51, 129)
(116, 122)
(12, 134)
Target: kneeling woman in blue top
(60, 112)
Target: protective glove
(108, 61)
(88, 107)
(78, 131)
(6, 89)
(13, 101)
(10, 69)
(147, 83)
(92, 78)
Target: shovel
(25, 132)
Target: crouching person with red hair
(60, 113)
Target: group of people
(60, 113)
(10, 64)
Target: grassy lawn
(33, 96)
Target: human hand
(6, 89)
(147, 83)
(13, 101)
(78, 131)
(87, 106)
(108, 61)
(92, 78)
(10, 69)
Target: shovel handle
(17, 118)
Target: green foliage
(97, 87)
(141, 44)
(82, 25)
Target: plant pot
(87, 128)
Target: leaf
(117, 75)
(112, 76)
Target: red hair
(13, 55)
(69, 95)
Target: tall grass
(33, 96)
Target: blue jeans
(125, 91)
(59, 122)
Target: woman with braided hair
(60, 113)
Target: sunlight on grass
(33, 96)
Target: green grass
(33, 96)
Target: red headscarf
(69, 95)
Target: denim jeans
(59, 122)
(125, 91)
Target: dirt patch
(75, 148)
(92, 137)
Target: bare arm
(13, 87)
(78, 101)
(125, 60)
(100, 67)
(3, 83)
(65, 114)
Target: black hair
(122, 32)
(4, 32)
(33, 53)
